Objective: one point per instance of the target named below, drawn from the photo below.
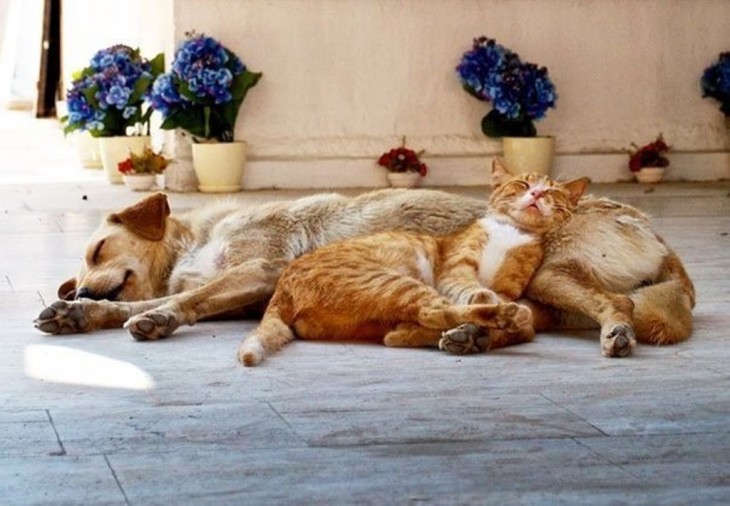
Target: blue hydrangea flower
(203, 68)
(518, 91)
(715, 82)
(203, 90)
(103, 99)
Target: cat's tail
(509, 316)
(663, 310)
(270, 336)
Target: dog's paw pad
(619, 341)
(151, 326)
(62, 317)
(464, 339)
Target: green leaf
(244, 82)
(229, 113)
(157, 65)
(140, 88)
(191, 120)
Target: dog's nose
(85, 293)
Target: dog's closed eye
(97, 253)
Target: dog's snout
(85, 293)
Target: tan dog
(151, 272)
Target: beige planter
(403, 179)
(139, 182)
(650, 175)
(87, 150)
(219, 166)
(523, 155)
(116, 149)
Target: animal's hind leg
(246, 284)
(411, 335)
(613, 312)
(270, 336)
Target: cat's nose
(536, 194)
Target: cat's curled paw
(483, 296)
(513, 317)
(464, 339)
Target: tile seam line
(62, 450)
(116, 480)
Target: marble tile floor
(102, 419)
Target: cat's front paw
(483, 296)
(464, 339)
(618, 341)
(513, 317)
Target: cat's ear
(576, 188)
(500, 172)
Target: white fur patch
(425, 269)
(251, 352)
(502, 237)
(207, 261)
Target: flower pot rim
(532, 137)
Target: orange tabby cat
(405, 289)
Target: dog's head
(121, 261)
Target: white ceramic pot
(403, 179)
(139, 182)
(87, 150)
(116, 149)
(524, 155)
(219, 166)
(650, 174)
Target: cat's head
(532, 201)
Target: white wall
(344, 79)
(90, 25)
(21, 29)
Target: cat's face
(534, 202)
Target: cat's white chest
(501, 239)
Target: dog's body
(151, 272)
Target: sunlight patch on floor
(59, 364)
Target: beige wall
(344, 79)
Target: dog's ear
(67, 290)
(147, 218)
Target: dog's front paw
(152, 325)
(464, 339)
(618, 341)
(63, 317)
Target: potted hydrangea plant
(520, 94)
(107, 99)
(202, 95)
(403, 165)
